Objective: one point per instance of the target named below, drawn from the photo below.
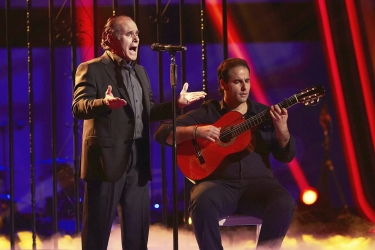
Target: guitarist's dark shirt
(253, 162)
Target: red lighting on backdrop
(362, 67)
(338, 95)
(85, 30)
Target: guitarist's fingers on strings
(208, 132)
(277, 113)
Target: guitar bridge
(198, 151)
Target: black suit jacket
(107, 134)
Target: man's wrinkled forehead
(127, 25)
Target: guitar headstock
(311, 95)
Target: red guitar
(199, 158)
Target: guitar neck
(261, 117)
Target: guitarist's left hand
(187, 98)
(279, 118)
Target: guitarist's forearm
(283, 136)
(182, 134)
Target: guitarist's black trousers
(264, 198)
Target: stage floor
(309, 231)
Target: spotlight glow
(309, 196)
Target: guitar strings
(255, 120)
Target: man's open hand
(111, 101)
(187, 98)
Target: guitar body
(213, 153)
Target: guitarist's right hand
(208, 132)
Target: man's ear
(110, 38)
(221, 82)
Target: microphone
(164, 47)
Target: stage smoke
(346, 232)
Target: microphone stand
(173, 81)
(325, 122)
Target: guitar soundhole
(226, 136)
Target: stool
(242, 220)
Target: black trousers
(101, 200)
(263, 198)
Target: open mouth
(133, 49)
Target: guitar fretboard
(255, 120)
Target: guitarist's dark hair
(225, 66)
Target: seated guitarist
(245, 183)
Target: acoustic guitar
(199, 158)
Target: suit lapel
(114, 72)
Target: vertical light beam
(348, 146)
(362, 67)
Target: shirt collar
(224, 108)
(119, 61)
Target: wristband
(195, 132)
